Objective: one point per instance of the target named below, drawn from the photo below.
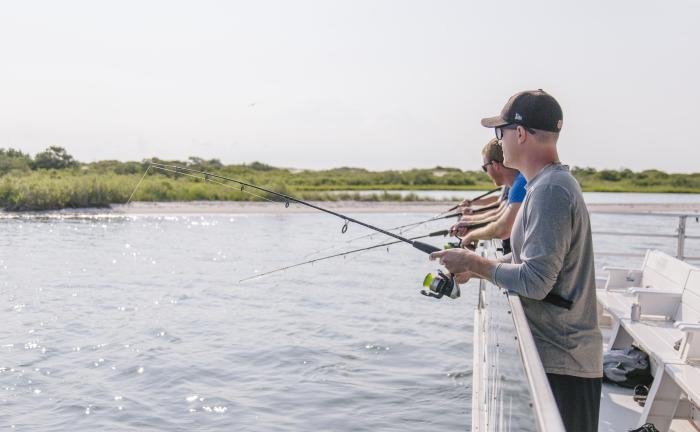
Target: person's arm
(481, 209)
(481, 202)
(486, 216)
(463, 261)
(547, 238)
(500, 228)
(464, 277)
(467, 224)
(546, 241)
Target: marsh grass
(100, 184)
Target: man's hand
(466, 203)
(459, 229)
(462, 278)
(456, 260)
(466, 240)
(466, 211)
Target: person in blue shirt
(499, 224)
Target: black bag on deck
(627, 367)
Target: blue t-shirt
(517, 191)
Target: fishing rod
(370, 235)
(485, 194)
(315, 260)
(412, 225)
(207, 176)
(442, 215)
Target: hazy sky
(375, 84)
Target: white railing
(680, 235)
(544, 406)
(479, 412)
(496, 336)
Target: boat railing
(681, 236)
(544, 406)
(507, 366)
(511, 390)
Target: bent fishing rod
(287, 199)
(343, 254)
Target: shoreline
(251, 207)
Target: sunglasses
(483, 167)
(499, 130)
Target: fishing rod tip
(250, 278)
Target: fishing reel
(451, 245)
(439, 285)
(457, 245)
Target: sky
(375, 84)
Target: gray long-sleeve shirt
(553, 251)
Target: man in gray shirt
(551, 266)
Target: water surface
(139, 322)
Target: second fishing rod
(287, 199)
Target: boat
(510, 389)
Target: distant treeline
(53, 179)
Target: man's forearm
(483, 267)
(483, 233)
(485, 217)
(486, 201)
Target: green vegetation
(626, 180)
(53, 179)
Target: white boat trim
(545, 407)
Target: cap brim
(493, 122)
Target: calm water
(133, 323)
(590, 197)
(140, 323)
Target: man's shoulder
(557, 186)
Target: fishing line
(138, 184)
(343, 254)
(411, 226)
(219, 183)
(371, 235)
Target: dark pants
(578, 400)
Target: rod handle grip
(425, 247)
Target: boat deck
(619, 412)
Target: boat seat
(673, 345)
(675, 387)
(659, 270)
(657, 287)
(667, 319)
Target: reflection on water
(122, 322)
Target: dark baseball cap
(535, 109)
